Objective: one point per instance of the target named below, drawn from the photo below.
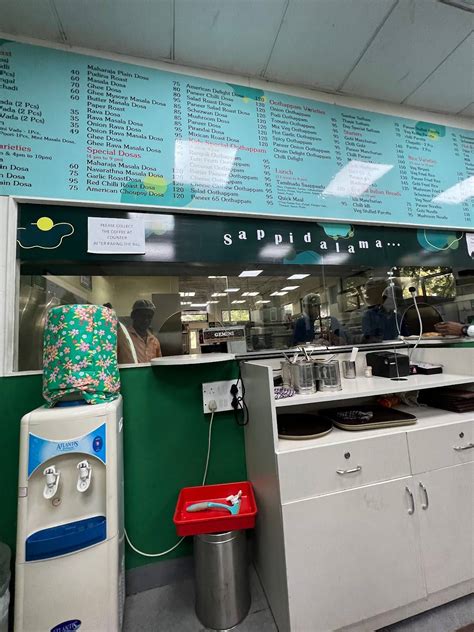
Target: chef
(146, 345)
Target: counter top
(193, 358)
(369, 386)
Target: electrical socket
(220, 392)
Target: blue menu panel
(85, 128)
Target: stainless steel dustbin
(221, 574)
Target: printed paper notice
(111, 236)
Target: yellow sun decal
(45, 223)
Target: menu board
(86, 128)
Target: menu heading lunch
(85, 128)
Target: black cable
(238, 402)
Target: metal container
(286, 376)
(303, 377)
(328, 375)
(221, 575)
(349, 369)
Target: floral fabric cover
(80, 354)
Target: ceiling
(416, 52)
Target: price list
(85, 128)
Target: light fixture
(198, 304)
(216, 277)
(456, 194)
(297, 277)
(355, 178)
(238, 302)
(261, 302)
(278, 293)
(185, 302)
(232, 289)
(250, 293)
(290, 287)
(218, 294)
(190, 294)
(250, 273)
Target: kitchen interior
(264, 302)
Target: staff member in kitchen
(146, 345)
(451, 328)
(304, 327)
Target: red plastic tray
(214, 520)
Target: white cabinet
(351, 555)
(358, 530)
(331, 468)
(445, 507)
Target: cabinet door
(351, 555)
(446, 525)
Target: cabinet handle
(426, 504)
(469, 446)
(354, 469)
(412, 500)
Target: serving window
(317, 284)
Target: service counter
(357, 530)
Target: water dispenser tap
(85, 475)
(52, 481)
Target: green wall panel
(18, 395)
(165, 444)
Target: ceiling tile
(319, 42)
(451, 86)
(142, 28)
(469, 111)
(415, 39)
(31, 18)
(236, 37)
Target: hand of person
(449, 328)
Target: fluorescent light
(261, 302)
(185, 302)
(250, 273)
(274, 251)
(232, 289)
(355, 178)
(216, 277)
(219, 294)
(238, 302)
(278, 293)
(297, 277)
(189, 294)
(250, 293)
(205, 164)
(198, 304)
(457, 194)
(290, 287)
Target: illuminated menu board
(85, 128)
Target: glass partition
(324, 305)
(207, 283)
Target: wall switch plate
(220, 392)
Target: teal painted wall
(165, 444)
